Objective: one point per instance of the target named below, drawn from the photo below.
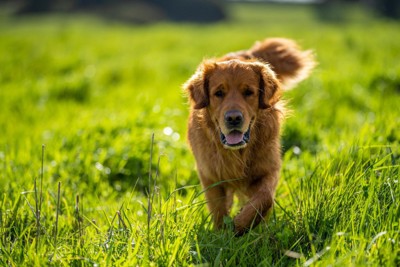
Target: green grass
(93, 92)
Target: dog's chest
(229, 166)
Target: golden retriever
(234, 125)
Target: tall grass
(103, 192)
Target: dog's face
(233, 91)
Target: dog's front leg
(217, 201)
(261, 200)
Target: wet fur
(253, 171)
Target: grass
(102, 192)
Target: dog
(234, 125)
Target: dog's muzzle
(235, 138)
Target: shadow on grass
(266, 245)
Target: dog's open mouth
(235, 139)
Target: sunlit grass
(93, 92)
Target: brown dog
(234, 125)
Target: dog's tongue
(234, 138)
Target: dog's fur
(234, 125)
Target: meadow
(95, 169)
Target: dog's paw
(240, 226)
(239, 231)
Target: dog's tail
(287, 60)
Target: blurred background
(147, 11)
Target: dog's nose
(233, 118)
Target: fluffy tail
(290, 64)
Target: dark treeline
(185, 10)
(135, 10)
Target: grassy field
(82, 182)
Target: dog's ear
(197, 87)
(270, 88)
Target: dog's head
(234, 92)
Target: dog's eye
(248, 92)
(219, 93)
